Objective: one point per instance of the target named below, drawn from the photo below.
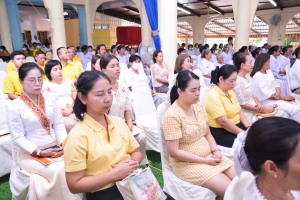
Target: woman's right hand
(213, 161)
(52, 152)
(268, 109)
(123, 169)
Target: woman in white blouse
(206, 67)
(271, 151)
(267, 90)
(295, 73)
(63, 90)
(226, 54)
(284, 61)
(213, 55)
(244, 91)
(160, 73)
(37, 128)
(121, 106)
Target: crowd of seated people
(90, 107)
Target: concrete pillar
(89, 27)
(57, 24)
(167, 26)
(5, 28)
(33, 29)
(82, 25)
(186, 41)
(15, 24)
(146, 29)
(244, 12)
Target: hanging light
(183, 10)
(273, 2)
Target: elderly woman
(63, 90)
(226, 119)
(37, 130)
(276, 169)
(160, 73)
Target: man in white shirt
(196, 50)
(85, 56)
(122, 58)
(35, 40)
(47, 47)
(101, 50)
(190, 50)
(265, 48)
(91, 51)
(136, 72)
(230, 40)
(294, 74)
(220, 61)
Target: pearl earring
(275, 175)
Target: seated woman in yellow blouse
(194, 154)
(225, 117)
(105, 149)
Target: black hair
(39, 52)
(84, 85)
(268, 139)
(3, 47)
(190, 45)
(120, 47)
(90, 47)
(182, 82)
(213, 49)
(94, 60)
(256, 51)
(48, 67)
(221, 44)
(26, 67)
(34, 43)
(155, 54)
(250, 47)
(183, 44)
(47, 43)
(297, 51)
(243, 49)
(284, 49)
(99, 46)
(239, 59)
(225, 71)
(206, 46)
(84, 48)
(134, 58)
(201, 49)
(106, 59)
(234, 55)
(28, 41)
(27, 49)
(229, 39)
(273, 49)
(58, 50)
(112, 47)
(260, 61)
(180, 50)
(16, 53)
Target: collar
(70, 63)
(182, 114)
(88, 120)
(221, 92)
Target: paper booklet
(47, 160)
(136, 130)
(266, 114)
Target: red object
(129, 35)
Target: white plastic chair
(3, 101)
(145, 113)
(3, 67)
(287, 69)
(177, 188)
(1, 60)
(123, 66)
(238, 186)
(203, 94)
(201, 78)
(30, 59)
(88, 66)
(122, 75)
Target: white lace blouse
(244, 90)
(253, 193)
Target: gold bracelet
(213, 151)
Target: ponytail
(174, 94)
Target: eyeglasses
(34, 80)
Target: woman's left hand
(259, 107)
(130, 125)
(217, 154)
(67, 111)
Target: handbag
(141, 185)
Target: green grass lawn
(153, 156)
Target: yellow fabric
(27, 54)
(191, 135)
(6, 54)
(45, 62)
(11, 83)
(95, 152)
(11, 67)
(36, 50)
(70, 71)
(79, 66)
(44, 75)
(218, 104)
(77, 59)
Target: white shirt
(85, 58)
(244, 91)
(265, 50)
(130, 77)
(294, 75)
(264, 85)
(219, 65)
(196, 51)
(25, 128)
(231, 51)
(253, 193)
(206, 68)
(189, 52)
(122, 59)
(36, 41)
(47, 49)
(227, 57)
(213, 58)
(199, 60)
(121, 101)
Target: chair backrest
(201, 78)
(203, 94)
(3, 101)
(287, 70)
(164, 153)
(122, 75)
(171, 79)
(238, 186)
(88, 66)
(1, 60)
(3, 67)
(123, 66)
(143, 103)
(30, 59)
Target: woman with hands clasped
(37, 127)
(105, 149)
(194, 154)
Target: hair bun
(214, 75)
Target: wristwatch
(39, 153)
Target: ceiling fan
(188, 3)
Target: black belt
(295, 89)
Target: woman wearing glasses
(37, 129)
